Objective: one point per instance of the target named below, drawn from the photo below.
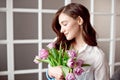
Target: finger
(60, 79)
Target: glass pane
(44, 65)
(117, 6)
(26, 76)
(24, 56)
(86, 3)
(116, 75)
(3, 57)
(25, 25)
(102, 25)
(47, 29)
(2, 25)
(25, 3)
(105, 47)
(3, 78)
(102, 5)
(2, 3)
(44, 76)
(118, 26)
(117, 53)
(44, 45)
(117, 67)
(52, 4)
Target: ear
(80, 20)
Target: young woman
(72, 26)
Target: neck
(78, 43)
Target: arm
(48, 77)
(54, 73)
(102, 69)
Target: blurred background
(25, 28)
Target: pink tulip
(70, 76)
(72, 53)
(51, 45)
(43, 54)
(78, 70)
(36, 60)
(79, 62)
(71, 63)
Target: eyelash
(64, 24)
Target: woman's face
(69, 26)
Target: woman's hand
(56, 72)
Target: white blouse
(98, 69)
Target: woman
(72, 26)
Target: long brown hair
(74, 10)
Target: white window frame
(10, 41)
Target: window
(25, 27)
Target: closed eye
(64, 24)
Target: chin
(69, 38)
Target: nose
(62, 30)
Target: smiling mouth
(65, 34)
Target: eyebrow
(63, 21)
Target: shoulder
(91, 54)
(98, 56)
(95, 52)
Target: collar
(83, 48)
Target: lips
(66, 34)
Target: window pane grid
(43, 11)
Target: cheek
(70, 27)
(75, 31)
(75, 28)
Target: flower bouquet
(71, 66)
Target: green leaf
(44, 60)
(65, 54)
(85, 65)
(65, 70)
(54, 53)
(52, 60)
(60, 57)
